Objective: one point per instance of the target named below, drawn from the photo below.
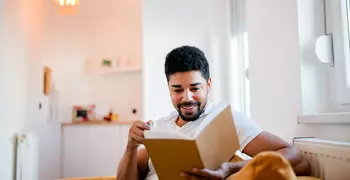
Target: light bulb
(72, 2)
(61, 2)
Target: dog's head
(266, 166)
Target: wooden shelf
(94, 66)
(105, 71)
(89, 123)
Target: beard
(197, 111)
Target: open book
(214, 142)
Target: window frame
(240, 59)
(337, 26)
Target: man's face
(189, 93)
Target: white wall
(69, 49)
(97, 30)
(25, 49)
(285, 78)
(170, 24)
(166, 25)
(274, 72)
(12, 84)
(107, 29)
(22, 58)
(121, 92)
(36, 21)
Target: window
(347, 30)
(337, 24)
(240, 62)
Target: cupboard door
(91, 151)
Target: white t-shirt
(246, 130)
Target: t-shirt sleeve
(246, 128)
(141, 146)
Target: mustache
(190, 103)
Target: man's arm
(262, 142)
(268, 142)
(133, 165)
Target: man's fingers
(189, 176)
(142, 125)
(184, 175)
(137, 131)
(136, 137)
(211, 174)
(202, 172)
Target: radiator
(27, 157)
(329, 160)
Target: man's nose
(188, 96)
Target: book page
(164, 135)
(218, 138)
(209, 118)
(242, 155)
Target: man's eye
(178, 90)
(195, 89)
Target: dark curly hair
(186, 58)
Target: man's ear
(209, 85)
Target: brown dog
(266, 166)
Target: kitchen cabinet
(91, 150)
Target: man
(189, 82)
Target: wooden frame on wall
(47, 80)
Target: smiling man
(189, 82)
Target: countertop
(90, 123)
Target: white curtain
(227, 55)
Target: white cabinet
(92, 150)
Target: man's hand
(223, 172)
(136, 133)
